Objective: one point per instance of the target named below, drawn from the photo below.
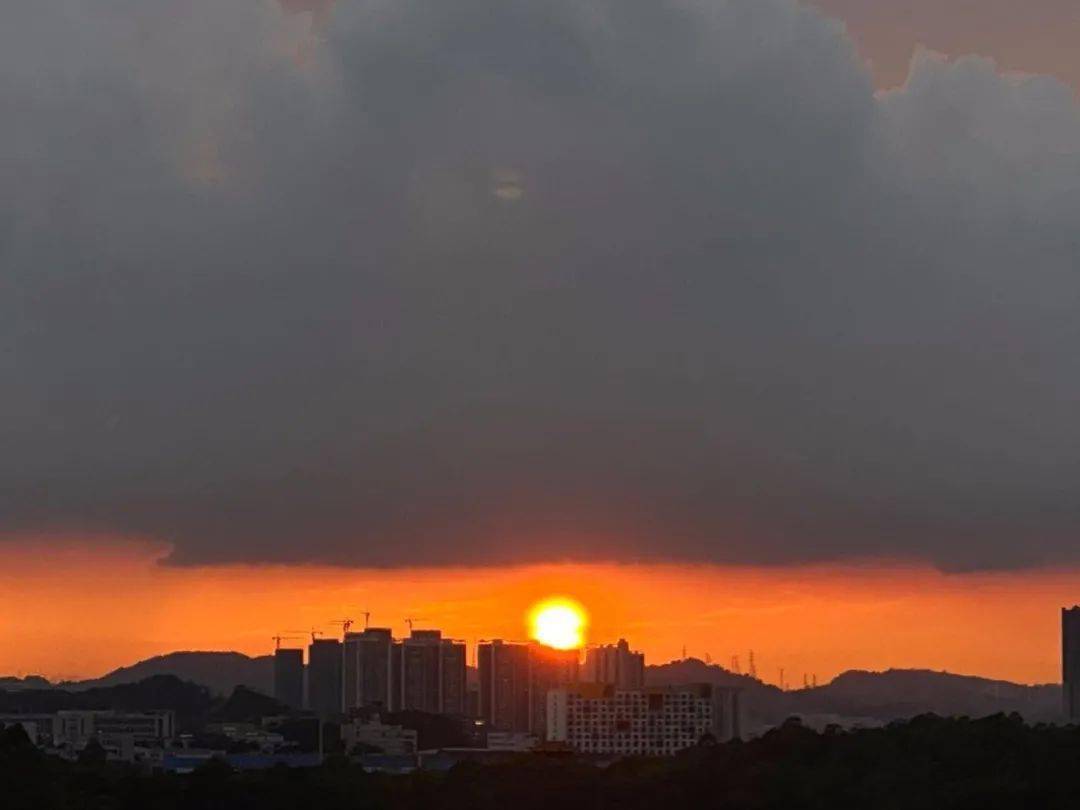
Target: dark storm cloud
(502, 281)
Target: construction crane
(345, 625)
(735, 665)
(314, 633)
(411, 620)
(280, 638)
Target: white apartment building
(74, 728)
(601, 719)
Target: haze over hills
(858, 697)
(854, 697)
(220, 672)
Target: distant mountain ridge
(859, 697)
(855, 697)
(220, 672)
(11, 683)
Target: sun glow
(558, 623)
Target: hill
(191, 702)
(10, 683)
(858, 697)
(220, 672)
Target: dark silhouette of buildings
(324, 676)
(424, 672)
(1070, 661)
(367, 669)
(504, 685)
(515, 679)
(289, 677)
(614, 664)
(429, 674)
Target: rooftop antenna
(708, 658)
(813, 680)
(752, 671)
(735, 665)
(367, 618)
(683, 652)
(782, 689)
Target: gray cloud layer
(491, 281)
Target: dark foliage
(928, 763)
(247, 706)
(191, 702)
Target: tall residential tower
(324, 676)
(289, 677)
(1070, 661)
(615, 664)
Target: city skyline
(530, 403)
(748, 324)
(812, 620)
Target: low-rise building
(374, 736)
(511, 741)
(601, 719)
(249, 733)
(73, 729)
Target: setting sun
(558, 623)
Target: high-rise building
(289, 677)
(515, 679)
(367, 669)
(429, 673)
(504, 685)
(1070, 661)
(324, 676)
(549, 669)
(596, 718)
(417, 682)
(614, 664)
(453, 677)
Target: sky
(727, 287)
(1033, 36)
(95, 609)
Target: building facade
(601, 719)
(374, 736)
(289, 677)
(515, 679)
(429, 674)
(1070, 662)
(324, 685)
(367, 677)
(614, 664)
(504, 685)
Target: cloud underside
(489, 282)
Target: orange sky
(1030, 36)
(78, 611)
